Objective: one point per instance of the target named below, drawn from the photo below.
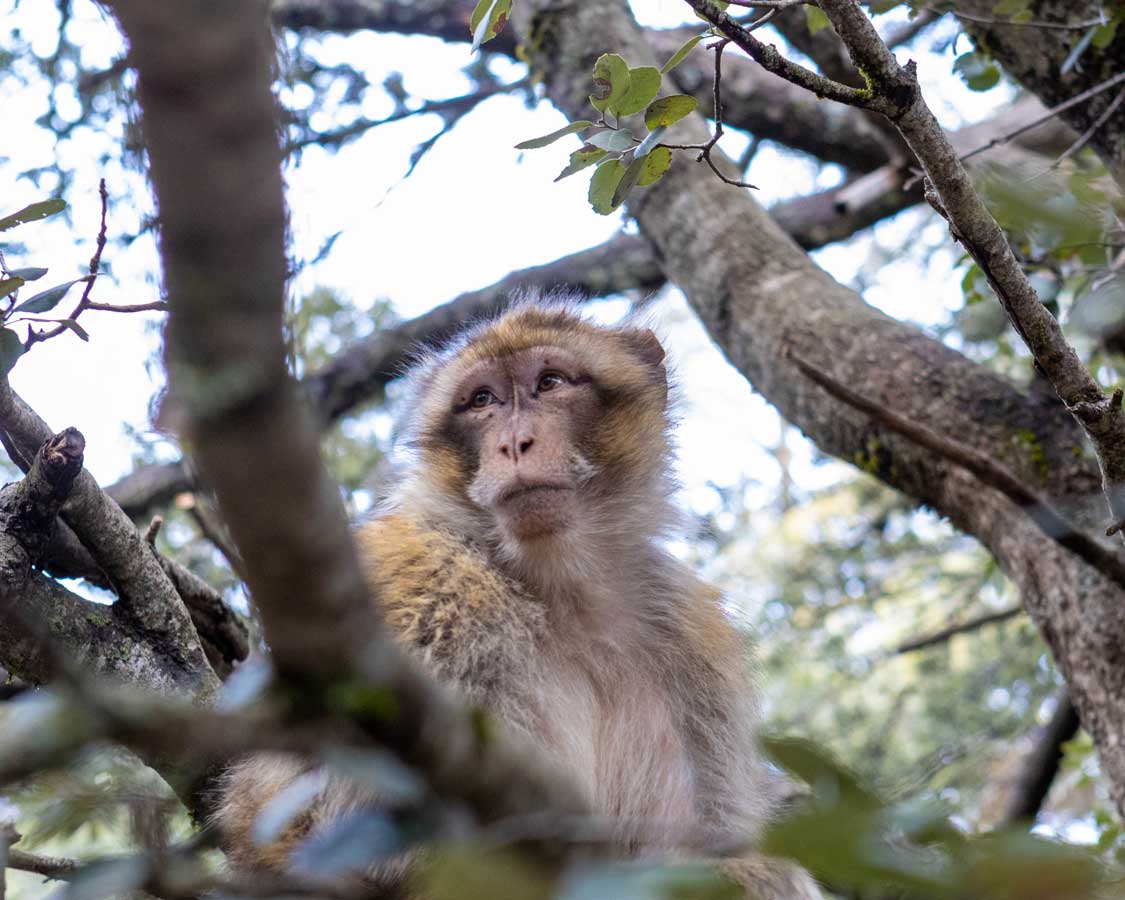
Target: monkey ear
(648, 347)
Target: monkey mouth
(524, 492)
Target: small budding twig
(706, 148)
(85, 303)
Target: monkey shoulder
(441, 596)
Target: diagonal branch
(216, 172)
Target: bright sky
(474, 210)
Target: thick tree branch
(1052, 521)
(146, 596)
(215, 167)
(1042, 763)
(35, 610)
(895, 92)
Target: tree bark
(764, 301)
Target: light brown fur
(591, 642)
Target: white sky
(474, 210)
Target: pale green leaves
(603, 187)
(656, 164)
(644, 84)
(611, 81)
(624, 158)
(47, 300)
(977, 70)
(582, 158)
(11, 349)
(572, 128)
(680, 55)
(669, 110)
(621, 91)
(618, 141)
(487, 20)
(30, 213)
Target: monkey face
(546, 425)
(523, 417)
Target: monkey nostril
(505, 451)
(526, 445)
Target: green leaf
(76, 328)
(479, 12)
(815, 19)
(491, 24)
(7, 285)
(881, 6)
(613, 140)
(11, 349)
(572, 128)
(611, 80)
(29, 274)
(816, 768)
(603, 185)
(48, 299)
(656, 164)
(1008, 8)
(680, 55)
(977, 71)
(628, 181)
(669, 110)
(644, 84)
(580, 159)
(457, 873)
(30, 213)
(1103, 37)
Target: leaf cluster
(12, 308)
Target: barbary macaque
(520, 560)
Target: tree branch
(940, 637)
(145, 593)
(1042, 763)
(895, 92)
(1052, 521)
(215, 168)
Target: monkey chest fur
(606, 721)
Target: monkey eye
(481, 398)
(549, 381)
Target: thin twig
(1048, 115)
(449, 106)
(1029, 23)
(1091, 131)
(57, 868)
(85, 303)
(1046, 516)
(939, 637)
(777, 5)
(706, 148)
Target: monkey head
(543, 421)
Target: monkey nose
(516, 447)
